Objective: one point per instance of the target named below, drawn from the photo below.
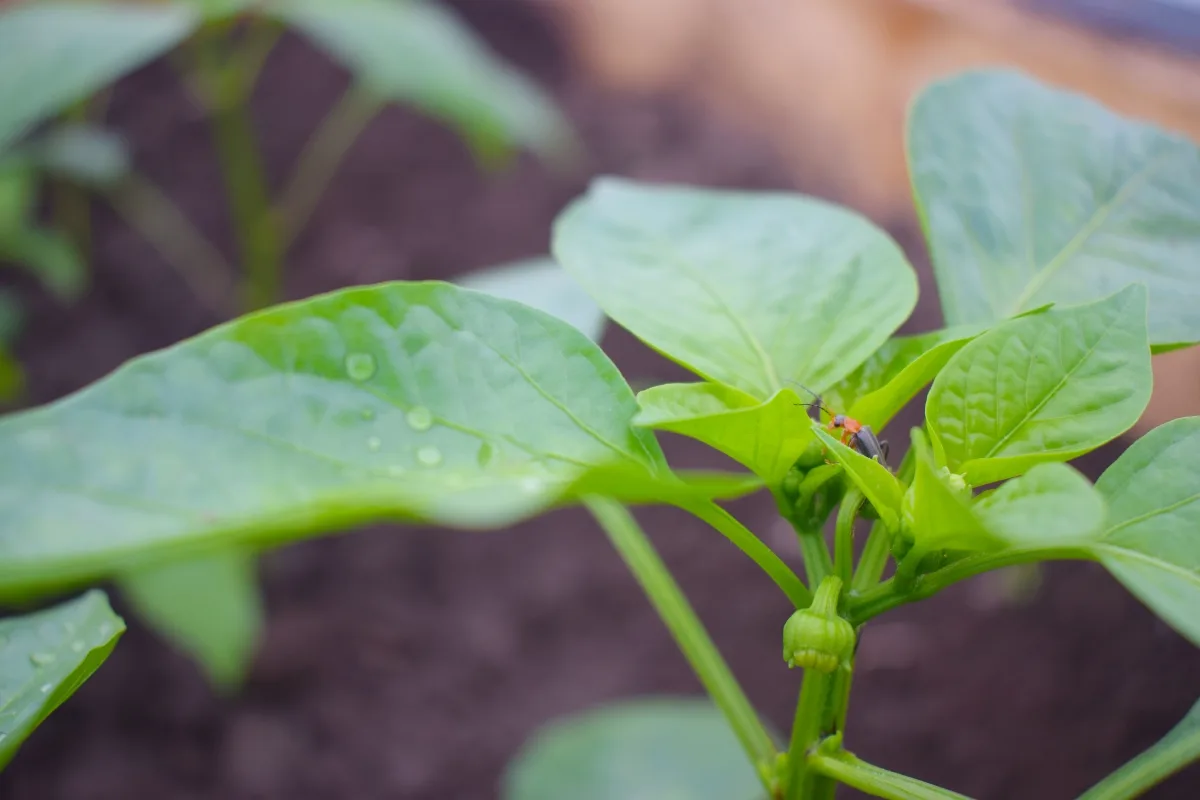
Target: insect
(854, 433)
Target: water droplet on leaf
(368, 413)
(532, 485)
(374, 443)
(430, 456)
(41, 659)
(46, 687)
(77, 646)
(360, 366)
(419, 418)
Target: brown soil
(412, 663)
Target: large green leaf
(404, 400)
(45, 657)
(1051, 505)
(650, 749)
(421, 53)
(1173, 752)
(877, 483)
(1046, 387)
(1152, 543)
(767, 436)
(543, 284)
(751, 290)
(1029, 195)
(211, 608)
(55, 53)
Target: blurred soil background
(413, 663)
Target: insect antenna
(816, 399)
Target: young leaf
(404, 400)
(767, 437)
(653, 748)
(544, 285)
(748, 290)
(876, 482)
(209, 607)
(1173, 752)
(45, 657)
(422, 53)
(54, 53)
(942, 517)
(1030, 194)
(1051, 505)
(1047, 387)
(1152, 543)
(894, 373)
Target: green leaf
(1152, 543)
(399, 401)
(767, 436)
(1051, 505)
(210, 608)
(55, 53)
(543, 284)
(422, 53)
(750, 290)
(1029, 194)
(941, 514)
(87, 154)
(894, 373)
(1047, 387)
(18, 193)
(51, 258)
(877, 483)
(649, 749)
(45, 657)
(1179, 748)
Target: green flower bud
(816, 637)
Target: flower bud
(816, 637)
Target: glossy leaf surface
(1030, 194)
(1051, 505)
(1152, 542)
(1040, 388)
(751, 290)
(544, 285)
(637, 750)
(45, 657)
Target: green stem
(751, 545)
(815, 694)
(152, 213)
(320, 160)
(668, 599)
(843, 540)
(852, 771)
(873, 560)
(245, 178)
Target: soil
(413, 662)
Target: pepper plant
(1065, 242)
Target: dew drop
(374, 443)
(77, 646)
(360, 366)
(429, 455)
(41, 659)
(105, 629)
(46, 687)
(419, 418)
(487, 452)
(367, 414)
(532, 485)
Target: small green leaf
(422, 53)
(210, 608)
(750, 290)
(1179, 748)
(51, 258)
(86, 154)
(894, 373)
(45, 657)
(877, 483)
(1152, 543)
(767, 436)
(941, 514)
(55, 53)
(544, 285)
(1051, 505)
(399, 401)
(650, 749)
(1029, 194)
(1047, 387)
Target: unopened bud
(817, 637)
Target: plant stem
(245, 179)
(149, 210)
(815, 694)
(884, 596)
(672, 606)
(852, 771)
(751, 545)
(874, 558)
(843, 540)
(320, 160)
